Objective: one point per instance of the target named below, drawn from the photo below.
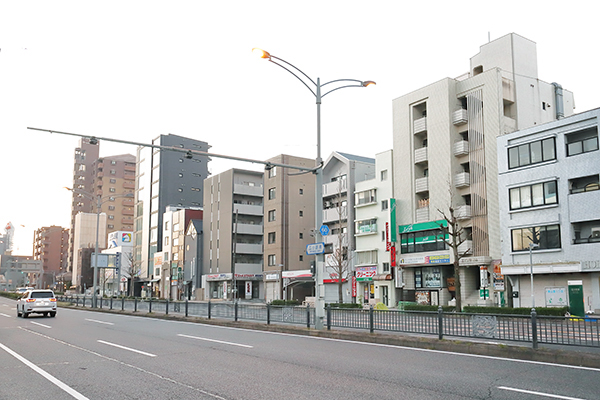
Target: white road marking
(127, 348)
(554, 396)
(99, 322)
(46, 375)
(5, 315)
(37, 323)
(216, 341)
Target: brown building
(50, 245)
(289, 210)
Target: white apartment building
(445, 154)
(373, 199)
(341, 172)
(84, 237)
(550, 196)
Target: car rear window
(42, 295)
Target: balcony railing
(248, 248)
(421, 155)
(248, 209)
(422, 185)
(467, 246)
(461, 148)
(248, 190)
(463, 212)
(333, 214)
(459, 117)
(420, 125)
(422, 214)
(335, 188)
(249, 229)
(462, 179)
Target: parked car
(37, 301)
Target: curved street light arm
(344, 80)
(338, 88)
(292, 72)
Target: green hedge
(285, 303)
(344, 305)
(552, 311)
(10, 295)
(419, 307)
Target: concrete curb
(583, 359)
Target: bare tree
(338, 263)
(132, 272)
(456, 237)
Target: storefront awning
(382, 277)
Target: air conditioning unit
(596, 232)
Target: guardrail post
(186, 307)
(440, 322)
(534, 337)
(111, 302)
(150, 306)
(235, 307)
(135, 304)
(268, 313)
(84, 301)
(122, 303)
(308, 315)
(167, 307)
(328, 317)
(77, 301)
(209, 310)
(100, 302)
(371, 318)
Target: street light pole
(319, 267)
(531, 247)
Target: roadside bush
(551, 311)
(285, 303)
(344, 305)
(10, 295)
(421, 307)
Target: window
(366, 226)
(113, 172)
(533, 195)
(113, 163)
(113, 180)
(420, 241)
(301, 213)
(582, 141)
(386, 267)
(271, 193)
(531, 153)
(111, 217)
(112, 190)
(111, 226)
(384, 205)
(366, 197)
(301, 191)
(166, 225)
(167, 241)
(272, 172)
(272, 237)
(547, 237)
(301, 235)
(384, 175)
(383, 236)
(271, 260)
(368, 257)
(300, 258)
(111, 208)
(271, 215)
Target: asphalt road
(84, 354)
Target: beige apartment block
(445, 155)
(289, 198)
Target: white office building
(550, 196)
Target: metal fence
(531, 328)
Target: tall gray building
(164, 178)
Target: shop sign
(483, 276)
(271, 277)
(365, 273)
(422, 297)
(424, 226)
(304, 273)
(388, 244)
(353, 286)
(218, 277)
(498, 277)
(440, 259)
(393, 255)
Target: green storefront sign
(423, 226)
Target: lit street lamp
(316, 91)
(100, 200)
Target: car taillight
(53, 300)
(30, 300)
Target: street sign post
(315, 248)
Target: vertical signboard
(393, 255)
(248, 289)
(388, 245)
(393, 238)
(576, 304)
(354, 286)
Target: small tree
(132, 271)
(455, 239)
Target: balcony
(129, 185)
(127, 202)
(248, 248)
(248, 268)
(422, 185)
(510, 125)
(420, 125)
(129, 167)
(422, 214)
(249, 229)
(467, 246)
(508, 90)
(580, 208)
(459, 117)
(421, 155)
(333, 214)
(335, 188)
(462, 179)
(126, 221)
(248, 209)
(248, 190)
(461, 148)
(100, 175)
(127, 212)
(462, 212)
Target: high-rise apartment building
(51, 245)
(289, 203)
(164, 178)
(85, 156)
(233, 235)
(445, 155)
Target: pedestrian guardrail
(531, 328)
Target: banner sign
(388, 245)
(365, 273)
(393, 238)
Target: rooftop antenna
(488, 36)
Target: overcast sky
(138, 69)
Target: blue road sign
(324, 230)
(315, 248)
